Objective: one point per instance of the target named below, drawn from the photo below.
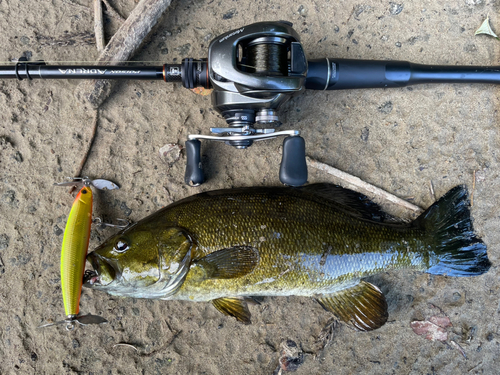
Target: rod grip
(293, 169)
(194, 173)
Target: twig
(98, 26)
(125, 344)
(364, 186)
(122, 46)
(89, 146)
(112, 12)
(431, 187)
(458, 347)
(473, 187)
(92, 137)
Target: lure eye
(121, 246)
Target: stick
(89, 146)
(122, 46)
(431, 187)
(473, 188)
(361, 185)
(98, 26)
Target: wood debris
(99, 25)
(355, 183)
(122, 46)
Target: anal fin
(232, 306)
(362, 306)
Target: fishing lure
(74, 251)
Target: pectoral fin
(229, 263)
(236, 307)
(363, 306)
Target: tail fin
(457, 250)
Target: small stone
(58, 231)
(398, 44)
(25, 40)
(75, 343)
(127, 211)
(395, 9)
(34, 356)
(18, 157)
(302, 11)
(184, 49)
(365, 134)
(4, 241)
(386, 108)
(10, 198)
(230, 14)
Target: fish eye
(121, 246)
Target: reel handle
(293, 169)
(194, 173)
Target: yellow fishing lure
(74, 250)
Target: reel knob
(194, 173)
(293, 169)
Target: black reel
(253, 71)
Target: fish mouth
(103, 272)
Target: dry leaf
(202, 91)
(291, 356)
(485, 28)
(431, 331)
(443, 322)
(170, 153)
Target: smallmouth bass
(320, 240)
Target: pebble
(395, 8)
(230, 14)
(4, 241)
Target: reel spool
(266, 67)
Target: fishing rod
(253, 71)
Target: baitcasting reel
(253, 70)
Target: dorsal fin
(348, 201)
(362, 306)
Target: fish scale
(290, 265)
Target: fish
(229, 246)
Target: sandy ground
(398, 139)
